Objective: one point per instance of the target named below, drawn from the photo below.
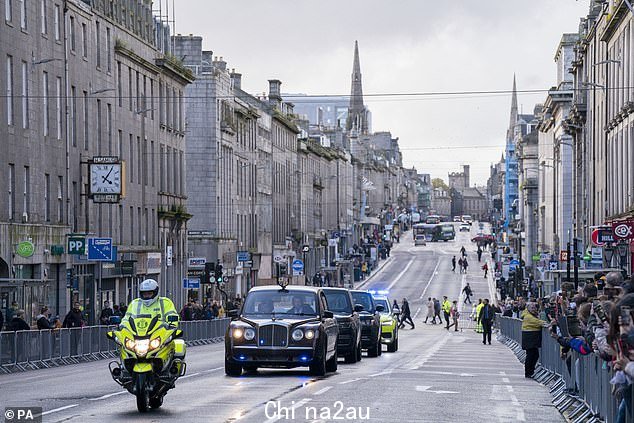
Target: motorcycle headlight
(155, 343)
(130, 343)
(249, 334)
(237, 333)
(142, 346)
(298, 335)
(309, 334)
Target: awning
(370, 221)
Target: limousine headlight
(297, 335)
(249, 334)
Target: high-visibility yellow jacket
(163, 306)
(446, 306)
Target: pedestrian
(485, 317)
(467, 293)
(465, 264)
(437, 309)
(42, 319)
(430, 311)
(463, 251)
(74, 317)
(1, 320)
(460, 262)
(11, 311)
(106, 313)
(446, 308)
(455, 315)
(17, 322)
(453, 264)
(478, 307)
(396, 307)
(531, 338)
(479, 253)
(406, 316)
(485, 267)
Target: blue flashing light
(379, 292)
(304, 358)
(242, 357)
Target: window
(138, 93)
(153, 159)
(108, 50)
(152, 98)
(86, 120)
(161, 107)
(23, 17)
(109, 126)
(146, 218)
(120, 144)
(131, 160)
(47, 203)
(139, 159)
(9, 90)
(11, 191)
(131, 225)
(71, 34)
(8, 10)
(120, 224)
(58, 22)
(130, 88)
(25, 95)
(60, 200)
(99, 127)
(145, 164)
(139, 225)
(43, 18)
(162, 168)
(84, 40)
(26, 202)
(75, 206)
(73, 115)
(45, 114)
(58, 106)
(98, 35)
(119, 84)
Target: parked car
(465, 227)
(347, 315)
(282, 326)
(467, 219)
(420, 240)
(370, 322)
(457, 218)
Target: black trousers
(486, 331)
(447, 318)
(407, 319)
(532, 355)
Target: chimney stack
(236, 79)
(275, 93)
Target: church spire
(514, 114)
(357, 114)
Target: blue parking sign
(99, 249)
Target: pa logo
(623, 230)
(142, 324)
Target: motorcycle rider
(149, 302)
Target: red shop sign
(623, 229)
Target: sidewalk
(383, 263)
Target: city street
(436, 376)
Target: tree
(439, 183)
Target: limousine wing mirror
(380, 308)
(358, 308)
(232, 314)
(328, 314)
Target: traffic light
(218, 273)
(209, 274)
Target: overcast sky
(405, 46)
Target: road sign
(191, 283)
(595, 238)
(197, 262)
(553, 265)
(514, 264)
(298, 266)
(336, 235)
(278, 258)
(243, 256)
(77, 246)
(563, 255)
(623, 229)
(606, 236)
(100, 249)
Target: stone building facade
(90, 79)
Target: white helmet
(148, 291)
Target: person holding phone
(531, 337)
(622, 337)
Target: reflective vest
(163, 307)
(446, 306)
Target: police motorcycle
(151, 348)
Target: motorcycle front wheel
(142, 395)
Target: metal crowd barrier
(38, 349)
(580, 384)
